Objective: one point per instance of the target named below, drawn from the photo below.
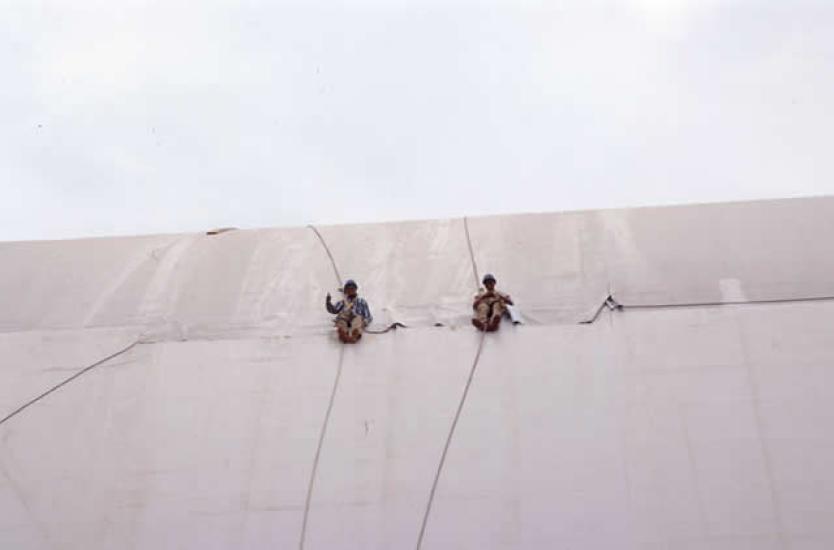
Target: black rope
(471, 254)
(389, 328)
(612, 304)
(461, 403)
(339, 280)
(323, 432)
(729, 303)
(609, 302)
(65, 382)
(445, 452)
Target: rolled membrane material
(515, 315)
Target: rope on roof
(339, 280)
(66, 381)
(461, 403)
(471, 254)
(317, 457)
(448, 443)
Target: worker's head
(489, 281)
(350, 288)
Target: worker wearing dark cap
(352, 313)
(489, 305)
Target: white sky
(137, 116)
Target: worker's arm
(331, 308)
(508, 300)
(367, 313)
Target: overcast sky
(138, 116)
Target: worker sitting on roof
(352, 313)
(489, 305)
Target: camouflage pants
(350, 323)
(489, 309)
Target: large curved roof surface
(187, 391)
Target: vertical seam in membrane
(753, 383)
(461, 403)
(693, 468)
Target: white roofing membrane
(698, 416)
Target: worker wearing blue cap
(489, 305)
(352, 313)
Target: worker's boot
(355, 336)
(344, 336)
(478, 324)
